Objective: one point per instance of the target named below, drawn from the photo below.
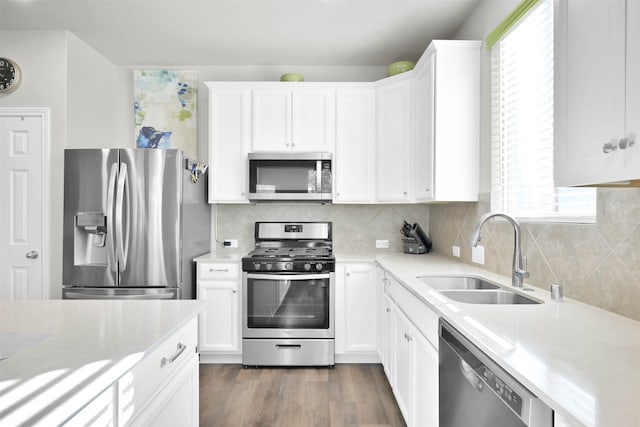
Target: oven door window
(288, 304)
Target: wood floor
(349, 395)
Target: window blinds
(522, 125)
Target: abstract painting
(165, 109)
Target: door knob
(32, 254)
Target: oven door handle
(291, 277)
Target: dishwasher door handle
(471, 376)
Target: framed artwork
(165, 109)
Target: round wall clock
(10, 75)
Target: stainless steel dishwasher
(475, 391)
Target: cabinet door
(424, 391)
(388, 324)
(100, 412)
(589, 91)
(402, 363)
(271, 116)
(220, 320)
(423, 97)
(633, 86)
(177, 402)
(229, 133)
(394, 133)
(360, 297)
(355, 145)
(312, 119)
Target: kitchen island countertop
(581, 360)
(81, 348)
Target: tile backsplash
(598, 264)
(355, 227)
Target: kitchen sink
(484, 296)
(440, 283)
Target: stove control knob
(307, 266)
(288, 266)
(269, 266)
(318, 266)
(256, 266)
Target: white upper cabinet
(597, 91)
(393, 166)
(446, 117)
(354, 160)
(229, 139)
(290, 118)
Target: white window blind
(522, 126)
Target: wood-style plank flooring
(349, 395)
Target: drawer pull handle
(221, 270)
(288, 346)
(174, 356)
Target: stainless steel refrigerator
(133, 222)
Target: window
(522, 123)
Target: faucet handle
(522, 271)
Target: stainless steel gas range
(288, 297)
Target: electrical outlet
(477, 254)
(456, 251)
(382, 244)
(228, 243)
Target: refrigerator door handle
(111, 195)
(122, 217)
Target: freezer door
(148, 218)
(88, 254)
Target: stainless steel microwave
(290, 177)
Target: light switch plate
(382, 244)
(477, 254)
(456, 251)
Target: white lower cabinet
(218, 283)
(162, 389)
(409, 352)
(356, 313)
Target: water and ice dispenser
(90, 236)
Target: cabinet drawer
(420, 314)
(138, 387)
(211, 270)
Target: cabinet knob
(625, 143)
(293, 144)
(609, 147)
(287, 144)
(404, 193)
(234, 291)
(388, 310)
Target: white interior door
(22, 142)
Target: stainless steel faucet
(519, 267)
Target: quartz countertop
(584, 362)
(225, 255)
(69, 351)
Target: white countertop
(78, 348)
(582, 361)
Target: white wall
(42, 59)
(486, 16)
(98, 110)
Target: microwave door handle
(319, 176)
(111, 195)
(122, 218)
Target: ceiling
(246, 32)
